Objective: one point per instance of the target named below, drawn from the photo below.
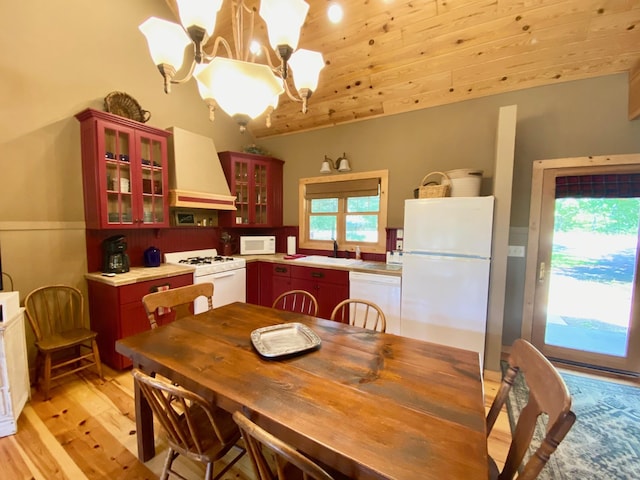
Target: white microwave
(258, 245)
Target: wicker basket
(432, 189)
(124, 105)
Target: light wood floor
(87, 430)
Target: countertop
(364, 267)
(141, 274)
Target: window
(352, 209)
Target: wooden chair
(299, 301)
(194, 427)
(547, 394)
(56, 315)
(180, 300)
(287, 462)
(360, 313)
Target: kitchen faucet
(335, 249)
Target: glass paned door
(592, 272)
(586, 284)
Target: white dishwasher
(383, 290)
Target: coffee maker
(115, 259)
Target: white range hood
(196, 179)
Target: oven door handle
(230, 273)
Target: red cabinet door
(329, 286)
(124, 172)
(256, 182)
(253, 283)
(274, 280)
(117, 312)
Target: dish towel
(162, 310)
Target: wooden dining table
(368, 404)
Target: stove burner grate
(205, 260)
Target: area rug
(604, 443)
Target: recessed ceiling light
(334, 12)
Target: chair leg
(46, 382)
(229, 465)
(96, 356)
(208, 475)
(168, 463)
(36, 378)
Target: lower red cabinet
(275, 278)
(117, 312)
(329, 286)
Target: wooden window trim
(304, 211)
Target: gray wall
(587, 117)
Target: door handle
(224, 275)
(542, 272)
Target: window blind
(365, 187)
(599, 186)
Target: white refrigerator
(445, 270)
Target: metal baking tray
(284, 339)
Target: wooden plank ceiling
(391, 56)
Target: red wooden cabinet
(253, 283)
(329, 286)
(125, 177)
(256, 182)
(117, 312)
(275, 279)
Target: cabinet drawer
(320, 274)
(135, 292)
(279, 270)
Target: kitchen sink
(320, 260)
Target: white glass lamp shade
(166, 40)
(326, 167)
(201, 13)
(306, 66)
(203, 89)
(284, 19)
(241, 88)
(275, 100)
(343, 165)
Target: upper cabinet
(124, 172)
(256, 182)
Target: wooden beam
(634, 92)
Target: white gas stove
(206, 261)
(228, 275)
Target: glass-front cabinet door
(125, 174)
(152, 160)
(260, 193)
(117, 158)
(241, 180)
(256, 182)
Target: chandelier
(236, 82)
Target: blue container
(152, 257)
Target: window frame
(304, 211)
